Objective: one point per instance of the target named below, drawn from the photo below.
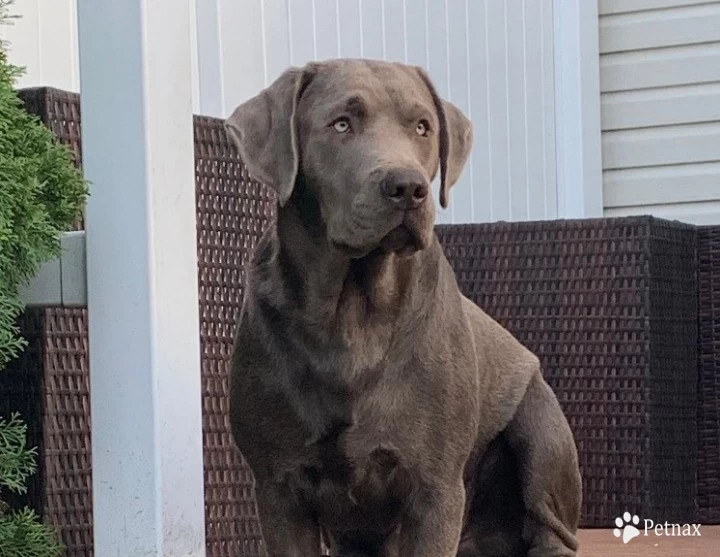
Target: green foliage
(17, 463)
(10, 342)
(22, 535)
(41, 195)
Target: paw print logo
(627, 527)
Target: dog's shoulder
(505, 367)
(495, 341)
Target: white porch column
(135, 70)
(577, 108)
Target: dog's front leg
(552, 489)
(287, 533)
(432, 526)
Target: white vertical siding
(209, 90)
(372, 21)
(44, 40)
(301, 27)
(394, 30)
(660, 82)
(493, 58)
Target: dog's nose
(406, 189)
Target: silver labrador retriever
(379, 408)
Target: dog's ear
(455, 140)
(265, 133)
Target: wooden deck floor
(602, 543)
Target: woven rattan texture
(232, 212)
(59, 111)
(49, 384)
(583, 295)
(673, 350)
(709, 380)
(67, 430)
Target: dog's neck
(324, 282)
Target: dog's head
(367, 138)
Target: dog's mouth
(351, 251)
(400, 240)
(408, 236)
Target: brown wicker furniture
(709, 378)
(232, 212)
(49, 386)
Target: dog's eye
(422, 128)
(341, 125)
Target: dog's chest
(332, 387)
(366, 492)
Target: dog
(380, 410)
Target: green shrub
(21, 534)
(41, 195)
(17, 463)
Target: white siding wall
(493, 58)
(43, 37)
(44, 40)
(660, 83)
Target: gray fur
(373, 401)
